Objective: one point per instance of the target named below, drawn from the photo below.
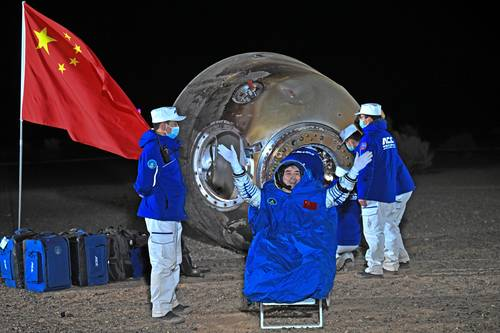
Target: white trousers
(165, 256)
(381, 230)
(395, 251)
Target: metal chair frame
(308, 301)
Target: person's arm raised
(338, 193)
(246, 188)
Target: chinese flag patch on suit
(310, 205)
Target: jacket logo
(362, 146)
(272, 201)
(387, 140)
(310, 205)
(388, 143)
(152, 164)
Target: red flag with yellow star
(66, 86)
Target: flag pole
(23, 56)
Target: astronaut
(292, 254)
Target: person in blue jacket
(349, 226)
(160, 185)
(349, 213)
(292, 254)
(379, 187)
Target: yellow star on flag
(61, 68)
(77, 49)
(43, 39)
(68, 37)
(73, 61)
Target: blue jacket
(349, 222)
(160, 184)
(348, 216)
(377, 181)
(404, 182)
(292, 254)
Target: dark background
(431, 67)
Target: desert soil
(451, 229)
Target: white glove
(231, 157)
(360, 161)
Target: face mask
(174, 133)
(362, 124)
(349, 147)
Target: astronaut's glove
(231, 156)
(360, 161)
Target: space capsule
(265, 105)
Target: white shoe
(343, 259)
(392, 268)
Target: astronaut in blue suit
(383, 188)
(292, 254)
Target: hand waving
(230, 156)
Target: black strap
(163, 151)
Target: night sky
(431, 68)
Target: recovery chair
(306, 302)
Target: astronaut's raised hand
(230, 156)
(360, 161)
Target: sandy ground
(451, 230)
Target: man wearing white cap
(349, 213)
(160, 185)
(380, 186)
(350, 137)
(348, 226)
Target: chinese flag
(66, 86)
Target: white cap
(340, 172)
(347, 132)
(165, 113)
(370, 109)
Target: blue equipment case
(89, 258)
(11, 258)
(47, 263)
